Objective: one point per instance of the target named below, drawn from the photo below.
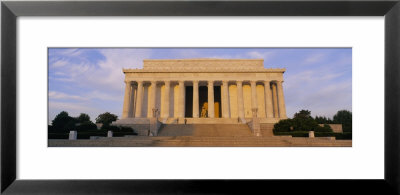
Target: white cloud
(315, 58)
(73, 109)
(261, 55)
(104, 96)
(321, 93)
(70, 52)
(61, 95)
(91, 95)
(83, 79)
(59, 63)
(109, 74)
(105, 75)
(312, 76)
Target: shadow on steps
(205, 130)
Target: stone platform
(142, 125)
(205, 135)
(135, 121)
(198, 141)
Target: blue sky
(90, 80)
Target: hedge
(86, 126)
(58, 135)
(344, 135)
(87, 134)
(122, 134)
(293, 133)
(117, 128)
(300, 125)
(325, 128)
(339, 136)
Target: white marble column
(275, 100)
(268, 100)
(225, 100)
(139, 100)
(281, 100)
(132, 100)
(240, 99)
(253, 94)
(195, 99)
(181, 100)
(127, 104)
(211, 111)
(167, 89)
(153, 95)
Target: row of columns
(273, 95)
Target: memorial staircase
(266, 129)
(205, 135)
(205, 130)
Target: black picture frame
(10, 10)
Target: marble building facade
(183, 90)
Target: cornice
(201, 70)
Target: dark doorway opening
(189, 102)
(203, 97)
(217, 101)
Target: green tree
(283, 125)
(304, 114)
(86, 126)
(71, 125)
(323, 120)
(83, 118)
(344, 117)
(324, 128)
(61, 120)
(106, 118)
(304, 124)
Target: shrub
(58, 136)
(126, 129)
(283, 125)
(86, 126)
(344, 117)
(121, 134)
(297, 124)
(71, 125)
(293, 133)
(338, 136)
(117, 128)
(325, 134)
(108, 127)
(106, 118)
(85, 134)
(323, 120)
(344, 136)
(325, 128)
(304, 124)
(50, 128)
(60, 121)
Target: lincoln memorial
(202, 91)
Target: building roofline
(265, 70)
(204, 59)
